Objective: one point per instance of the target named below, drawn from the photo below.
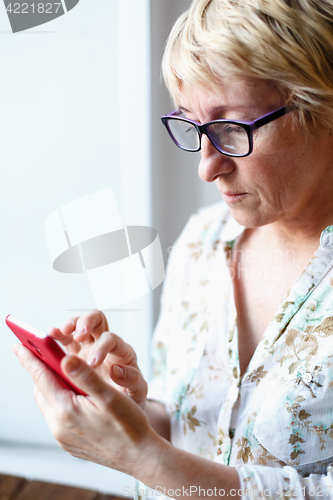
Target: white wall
(59, 141)
(60, 102)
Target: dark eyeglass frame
(249, 127)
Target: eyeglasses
(230, 137)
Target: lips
(233, 196)
(231, 193)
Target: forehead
(231, 93)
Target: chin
(251, 218)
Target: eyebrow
(182, 108)
(214, 110)
(218, 108)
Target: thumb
(86, 378)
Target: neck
(301, 235)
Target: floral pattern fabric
(275, 423)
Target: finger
(64, 338)
(42, 403)
(91, 324)
(130, 378)
(69, 326)
(44, 379)
(55, 413)
(110, 343)
(86, 378)
(64, 333)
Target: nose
(213, 163)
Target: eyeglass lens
(227, 137)
(184, 134)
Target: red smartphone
(43, 346)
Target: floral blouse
(275, 423)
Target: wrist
(150, 453)
(158, 418)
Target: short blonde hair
(286, 42)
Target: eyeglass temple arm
(271, 116)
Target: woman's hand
(110, 429)
(106, 427)
(115, 360)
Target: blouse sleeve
(262, 482)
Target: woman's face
(287, 176)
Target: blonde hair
(286, 42)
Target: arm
(158, 418)
(109, 428)
(180, 474)
(283, 482)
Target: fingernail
(14, 349)
(118, 371)
(73, 364)
(92, 360)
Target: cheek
(277, 156)
(272, 177)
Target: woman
(243, 346)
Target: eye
(232, 128)
(189, 129)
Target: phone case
(44, 347)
